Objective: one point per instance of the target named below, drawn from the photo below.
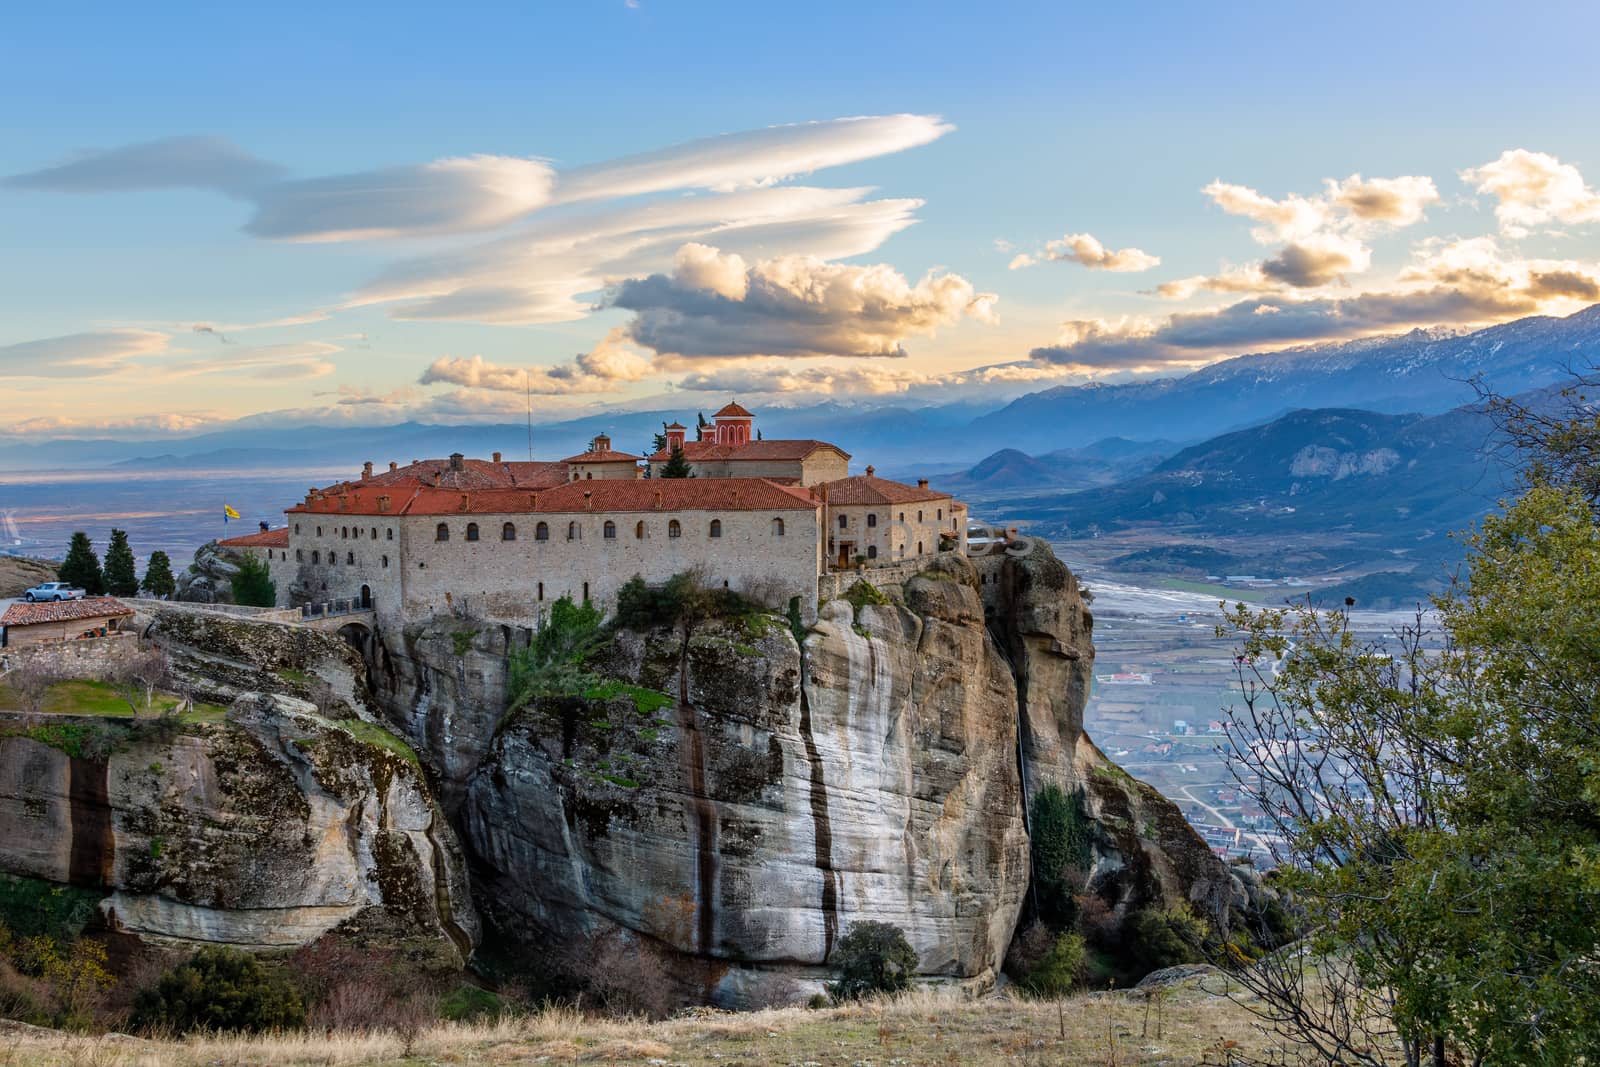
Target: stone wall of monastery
(417, 576)
(896, 531)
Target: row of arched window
(608, 530)
(872, 518)
(347, 532)
(333, 557)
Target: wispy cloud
(213, 163)
(79, 355)
(1469, 283)
(1086, 250)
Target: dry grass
(925, 1028)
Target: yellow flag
(228, 512)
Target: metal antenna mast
(527, 388)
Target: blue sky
(1135, 127)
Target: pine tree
(677, 466)
(158, 580)
(253, 585)
(121, 578)
(82, 566)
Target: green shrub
(465, 1003)
(253, 586)
(1165, 937)
(862, 593)
(553, 664)
(30, 907)
(1061, 853)
(1061, 969)
(873, 957)
(682, 599)
(221, 989)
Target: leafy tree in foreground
(82, 566)
(253, 585)
(873, 957)
(158, 579)
(121, 576)
(1440, 799)
(222, 989)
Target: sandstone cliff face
(1144, 851)
(297, 814)
(265, 831)
(766, 802)
(740, 798)
(443, 682)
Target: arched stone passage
(358, 635)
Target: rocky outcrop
(264, 831)
(217, 657)
(1144, 851)
(742, 801)
(735, 791)
(209, 579)
(443, 682)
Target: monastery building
(502, 540)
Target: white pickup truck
(53, 591)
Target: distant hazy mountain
(1102, 463)
(880, 435)
(1425, 370)
(1399, 477)
(1315, 492)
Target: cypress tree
(82, 566)
(676, 466)
(120, 576)
(158, 579)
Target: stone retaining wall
(888, 578)
(88, 657)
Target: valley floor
(1187, 1023)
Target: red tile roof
(278, 538)
(94, 607)
(867, 489)
(630, 494)
(474, 474)
(750, 450)
(606, 456)
(733, 411)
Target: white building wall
(517, 581)
(898, 531)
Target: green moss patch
(862, 592)
(373, 734)
(645, 701)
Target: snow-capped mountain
(1425, 371)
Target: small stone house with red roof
(61, 620)
(504, 541)
(601, 461)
